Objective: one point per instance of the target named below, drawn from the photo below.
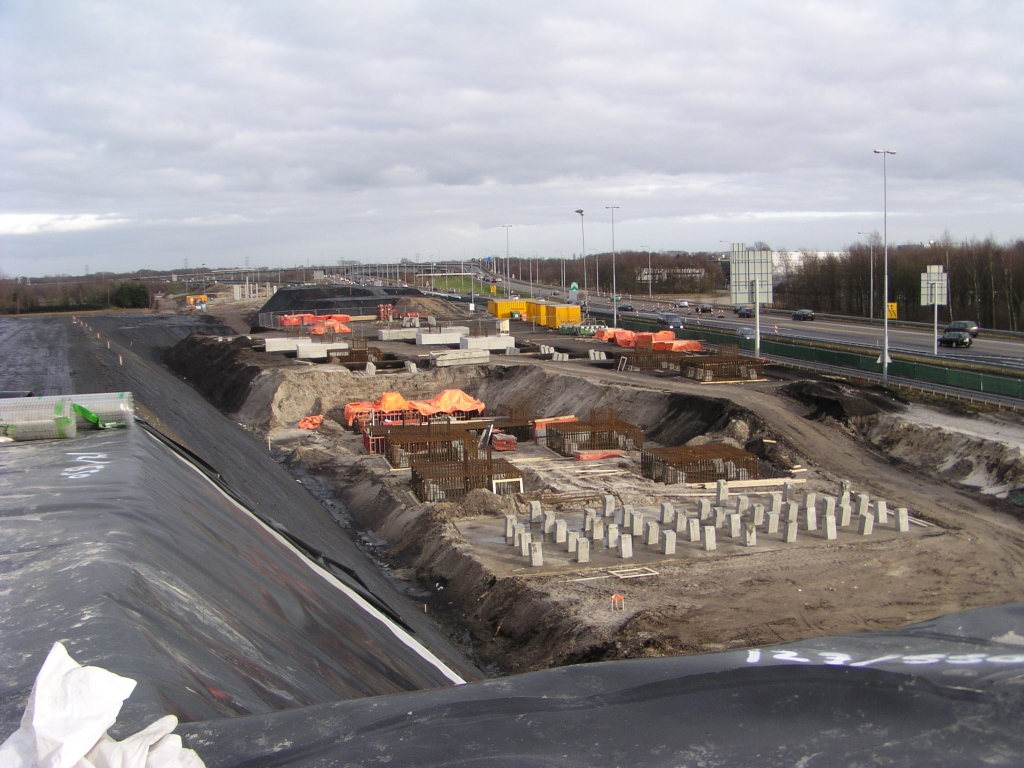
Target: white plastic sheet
(66, 720)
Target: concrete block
(524, 544)
(829, 505)
(668, 513)
(735, 525)
(611, 536)
(788, 492)
(742, 504)
(693, 529)
(719, 517)
(791, 529)
(653, 531)
(371, 369)
(776, 506)
(549, 525)
(285, 345)
(668, 542)
(536, 512)
(517, 536)
(750, 535)
(721, 493)
(703, 509)
(902, 520)
(811, 501)
(758, 515)
(845, 512)
(447, 336)
(792, 512)
(313, 351)
(497, 343)
(863, 503)
(510, 528)
(410, 367)
(608, 506)
(881, 511)
(830, 527)
(561, 529)
(867, 524)
(572, 539)
(637, 529)
(597, 534)
(460, 357)
(536, 554)
(810, 519)
(709, 538)
(773, 523)
(583, 550)
(681, 522)
(627, 517)
(626, 547)
(397, 334)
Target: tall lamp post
(650, 275)
(871, 272)
(885, 289)
(583, 234)
(508, 269)
(615, 290)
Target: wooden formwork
(450, 481)
(602, 432)
(698, 464)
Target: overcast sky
(143, 134)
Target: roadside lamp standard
(583, 234)
(508, 270)
(615, 290)
(885, 289)
(871, 272)
(650, 274)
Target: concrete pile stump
(668, 542)
(719, 517)
(788, 492)
(549, 525)
(792, 511)
(510, 528)
(572, 539)
(750, 535)
(742, 504)
(626, 547)
(536, 555)
(703, 509)
(608, 506)
(863, 504)
(668, 514)
(867, 524)
(735, 525)
(902, 520)
(536, 512)
(721, 493)
(524, 544)
(708, 539)
(845, 513)
(589, 515)
(791, 529)
(830, 527)
(517, 536)
(693, 529)
(561, 530)
(881, 511)
(830, 506)
(653, 530)
(597, 534)
(811, 519)
(611, 536)
(583, 550)
(776, 506)
(773, 523)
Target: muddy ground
(448, 556)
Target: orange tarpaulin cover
(299, 319)
(664, 336)
(311, 422)
(605, 334)
(679, 345)
(448, 401)
(624, 338)
(329, 326)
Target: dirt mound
(842, 403)
(429, 306)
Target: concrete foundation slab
(499, 343)
(397, 334)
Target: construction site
(578, 468)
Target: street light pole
(508, 271)
(871, 272)
(583, 234)
(885, 290)
(615, 290)
(650, 275)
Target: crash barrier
(975, 381)
(61, 416)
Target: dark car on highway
(745, 312)
(966, 326)
(955, 339)
(803, 314)
(626, 307)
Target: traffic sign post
(934, 291)
(750, 281)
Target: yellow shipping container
(563, 314)
(503, 308)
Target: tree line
(19, 296)
(986, 281)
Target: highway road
(985, 349)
